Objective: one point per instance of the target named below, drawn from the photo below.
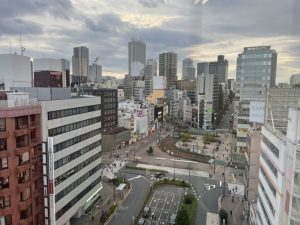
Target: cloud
(53, 28)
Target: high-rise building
(168, 67)
(16, 71)
(255, 73)
(295, 80)
(136, 57)
(150, 72)
(188, 69)
(95, 73)
(80, 63)
(279, 176)
(220, 67)
(138, 89)
(127, 84)
(21, 169)
(202, 68)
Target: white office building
(72, 130)
(279, 176)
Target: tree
(182, 217)
(223, 214)
(150, 151)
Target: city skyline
(191, 30)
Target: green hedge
(187, 213)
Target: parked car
(147, 212)
(159, 175)
(172, 220)
(142, 221)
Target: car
(146, 212)
(142, 221)
(159, 175)
(172, 220)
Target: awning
(121, 187)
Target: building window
(77, 168)
(77, 198)
(22, 141)
(75, 184)
(269, 163)
(76, 154)
(21, 122)
(24, 214)
(2, 125)
(71, 112)
(3, 144)
(4, 202)
(268, 181)
(4, 182)
(270, 146)
(73, 126)
(63, 145)
(3, 163)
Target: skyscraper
(136, 57)
(202, 68)
(255, 72)
(220, 67)
(95, 73)
(150, 72)
(168, 67)
(188, 69)
(80, 62)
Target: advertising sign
(51, 189)
(257, 111)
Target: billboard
(257, 111)
(51, 188)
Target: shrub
(182, 217)
(223, 214)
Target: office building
(21, 175)
(50, 72)
(150, 72)
(295, 80)
(188, 69)
(95, 73)
(138, 90)
(16, 71)
(202, 68)
(220, 67)
(80, 63)
(136, 57)
(168, 67)
(255, 73)
(109, 106)
(115, 139)
(72, 130)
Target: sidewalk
(236, 206)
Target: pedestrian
(230, 212)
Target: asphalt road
(206, 190)
(134, 201)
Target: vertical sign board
(257, 112)
(51, 190)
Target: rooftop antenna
(21, 47)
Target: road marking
(134, 177)
(209, 186)
(220, 183)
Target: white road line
(133, 178)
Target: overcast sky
(53, 28)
